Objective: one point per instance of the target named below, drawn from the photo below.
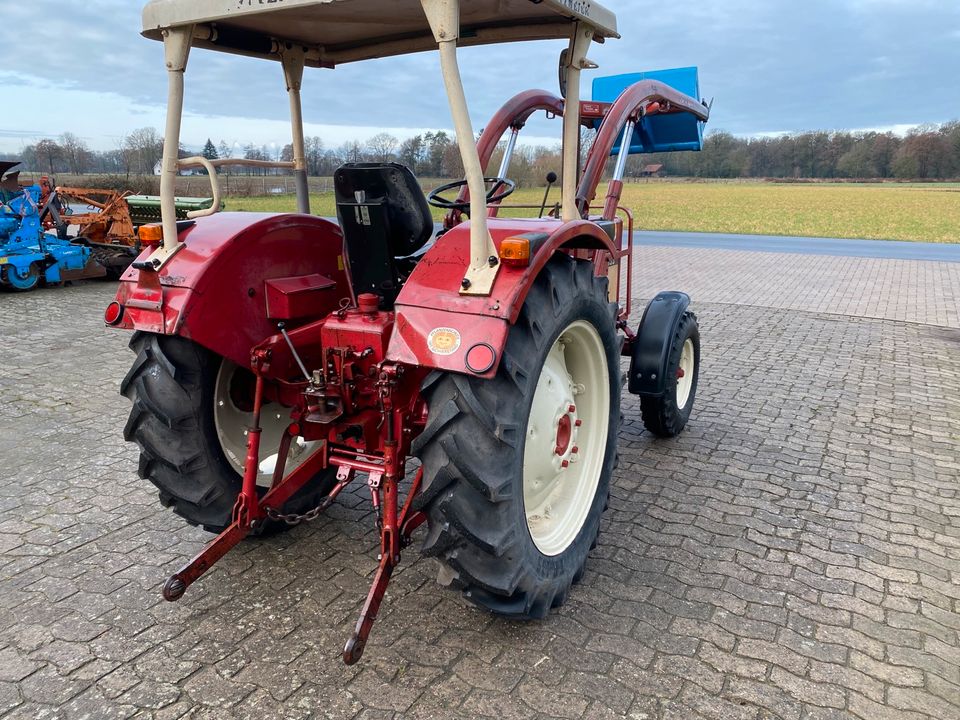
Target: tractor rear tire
(511, 524)
(173, 385)
(666, 416)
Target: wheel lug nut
(565, 463)
(572, 409)
(574, 450)
(578, 423)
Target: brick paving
(793, 555)
(909, 290)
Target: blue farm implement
(28, 255)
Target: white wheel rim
(232, 425)
(566, 438)
(685, 373)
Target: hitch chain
(297, 518)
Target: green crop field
(917, 212)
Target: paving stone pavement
(793, 555)
(910, 290)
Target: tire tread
(469, 446)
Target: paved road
(890, 249)
(793, 555)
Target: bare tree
(382, 147)
(146, 148)
(48, 153)
(314, 149)
(350, 152)
(75, 152)
(411, 152)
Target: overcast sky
(772, 66)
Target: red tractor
(278, 356)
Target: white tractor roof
(339, 31)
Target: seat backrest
(393, 186)
(384, 216)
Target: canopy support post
(293, 59)
(444, 19)
(176, 50)
(576, 60)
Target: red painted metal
(247, 500)
(631, 104)
(431, 299)
(249, 509)
(612, 202)
(368, 303)
(403, 525)
(303, 296)
(627, 251)
(177, 584)
(591, 111)
(564, 433)
(359, 330)
(433, 285)
(213, 289)
(242, 524)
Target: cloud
(772, 66)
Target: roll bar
(513, 115)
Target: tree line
(925, 153)
(431, 154)
(929, 152)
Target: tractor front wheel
(191, 410)
(666, 415)
(517, 468)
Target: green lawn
(915, 212)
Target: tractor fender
(649, 349)
(439, 328)
(215, 288)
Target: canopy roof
(339, 31)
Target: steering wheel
(435, 197)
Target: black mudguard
(648, 363)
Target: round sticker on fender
(443, 341)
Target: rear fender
(215, 291)
(437, 327)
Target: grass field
(929, 213)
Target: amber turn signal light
(151, 234)
(515, 251)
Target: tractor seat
(385, 218)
